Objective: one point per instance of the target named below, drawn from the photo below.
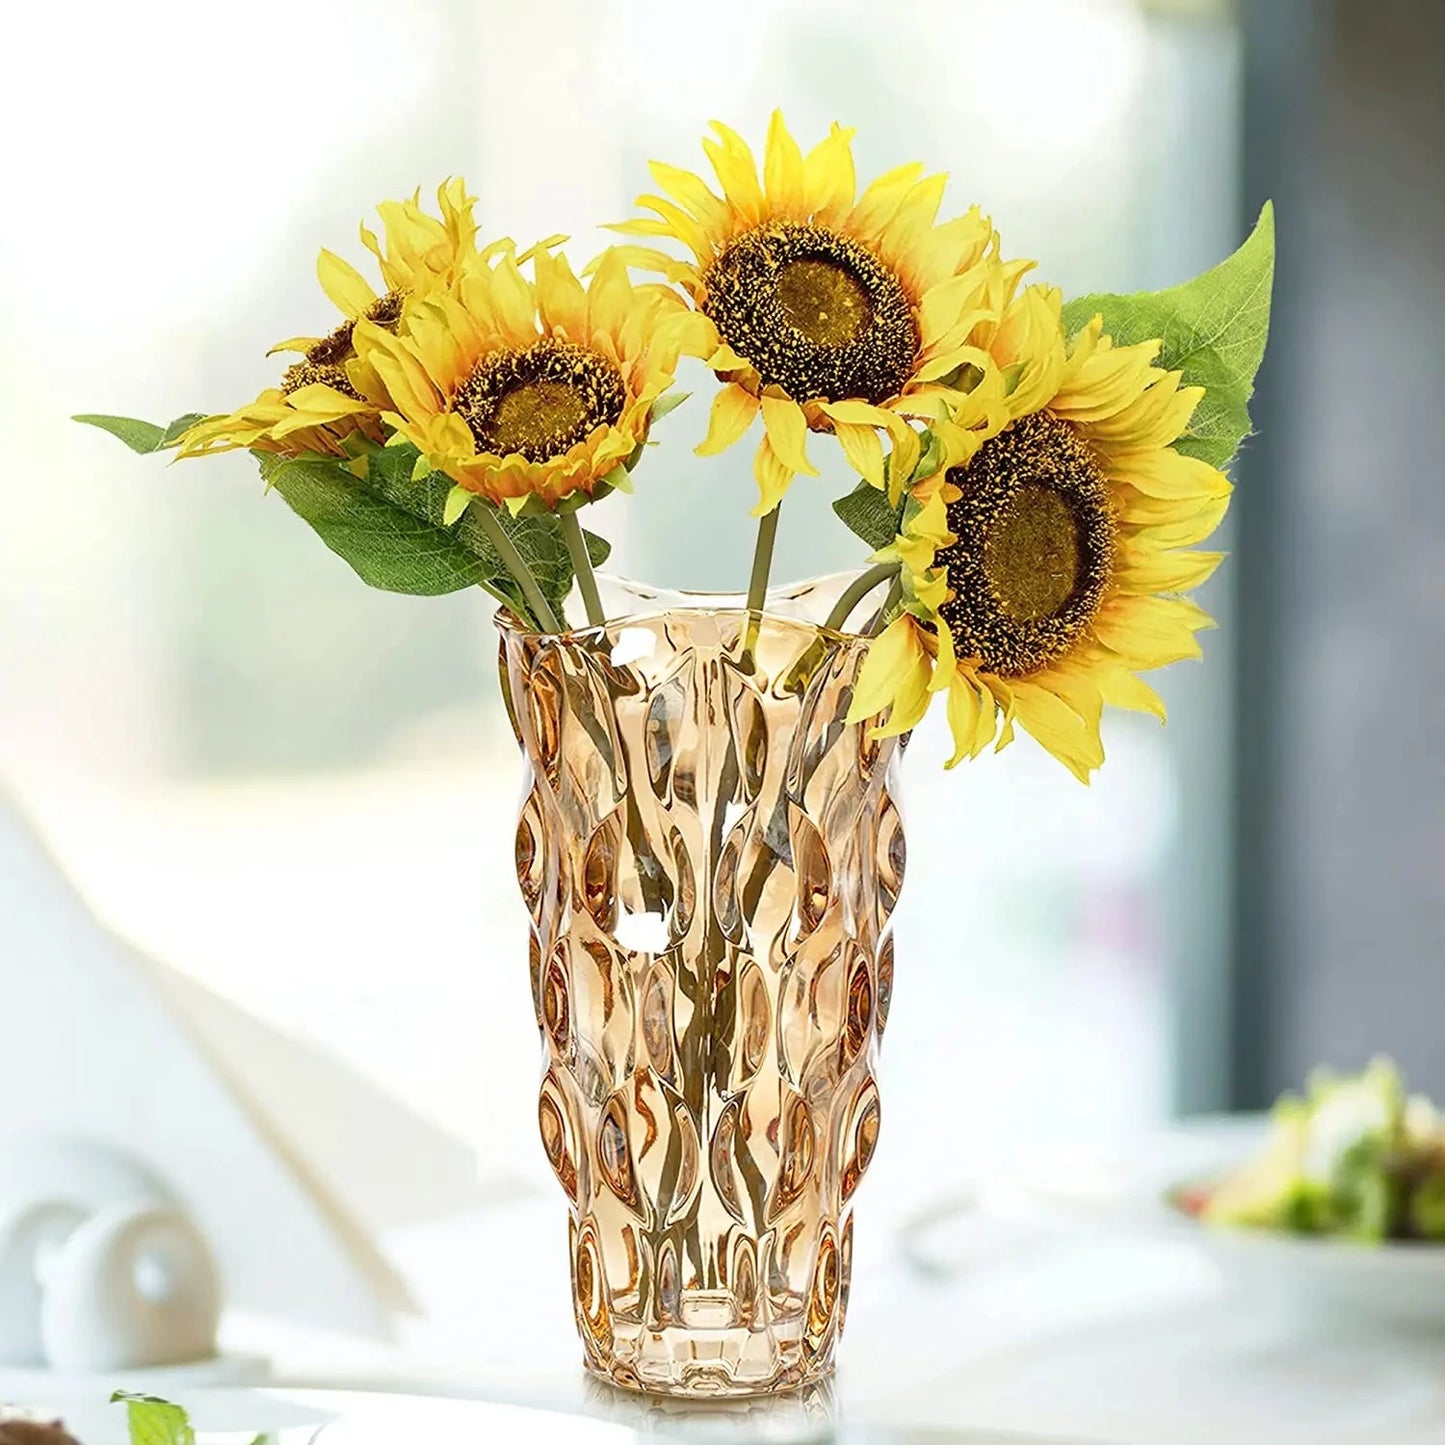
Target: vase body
(709, 855)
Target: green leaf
(154, 1422)
(458, 500)
(619, 479)
(180, 426)
(139, 436)
(387, 545)
(1213, 329)
(929, 456)
(395, 534)
(668, 403)
(599, 549)
(866, 512)
(142, 436)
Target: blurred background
(297, 794)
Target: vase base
(698, 1368)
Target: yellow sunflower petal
(646, 258)
(321, 402)
(1078, 690)
(1147, 632)
(737, 173)
(1179, 529)
(787, 430)
(692, 192)
(733, 410)
(783, 170)
(348, 290)
(515, 303)
(303, 344)
(829, 180)
(910, 704)
(561, 301)
(1003, 696)
(879, 203)
(1167, 475)
(772, 476)
(890, 655)
(1166, 571)
(1059, 729)
(680, 223)
(725, 361)
(405, 377)
(972, 718)
(906, 451)
(945, 665)
(858, 413)
(1120, 688)
(863, 449)
(609, 297)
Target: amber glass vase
(710, 855)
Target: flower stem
(582, 566)
(895, 595)
(857, 590)
(763, 559)
(542, 614)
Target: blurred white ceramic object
(100, 1269)
(49, 1184)
(30, 1234)
(134, 1287)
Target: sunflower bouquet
(708, 846)
(1034, 475)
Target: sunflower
(316, 417)
(822, 309)
(1059, 551)
(518, 389)
(328, 394)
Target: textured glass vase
(710, 856)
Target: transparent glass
(710, 856)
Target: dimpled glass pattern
(709, 856)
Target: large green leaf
(386, 545)
(1213, 329)
(391, 528)
(142, 436)
(866, 512)
(536, 535)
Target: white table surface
(1030, 1326)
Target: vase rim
(651, 603)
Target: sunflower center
(314, 373)
(536, 410)
(326, 361)
(540, 401)
(823, 301)
(1035, 546)
(816, 313)
(1031, 555)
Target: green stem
(758, 582)
(857, 590)
(894, 597)
(582, 566)
(763, 559)
(542, 613)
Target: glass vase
(710, 855)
